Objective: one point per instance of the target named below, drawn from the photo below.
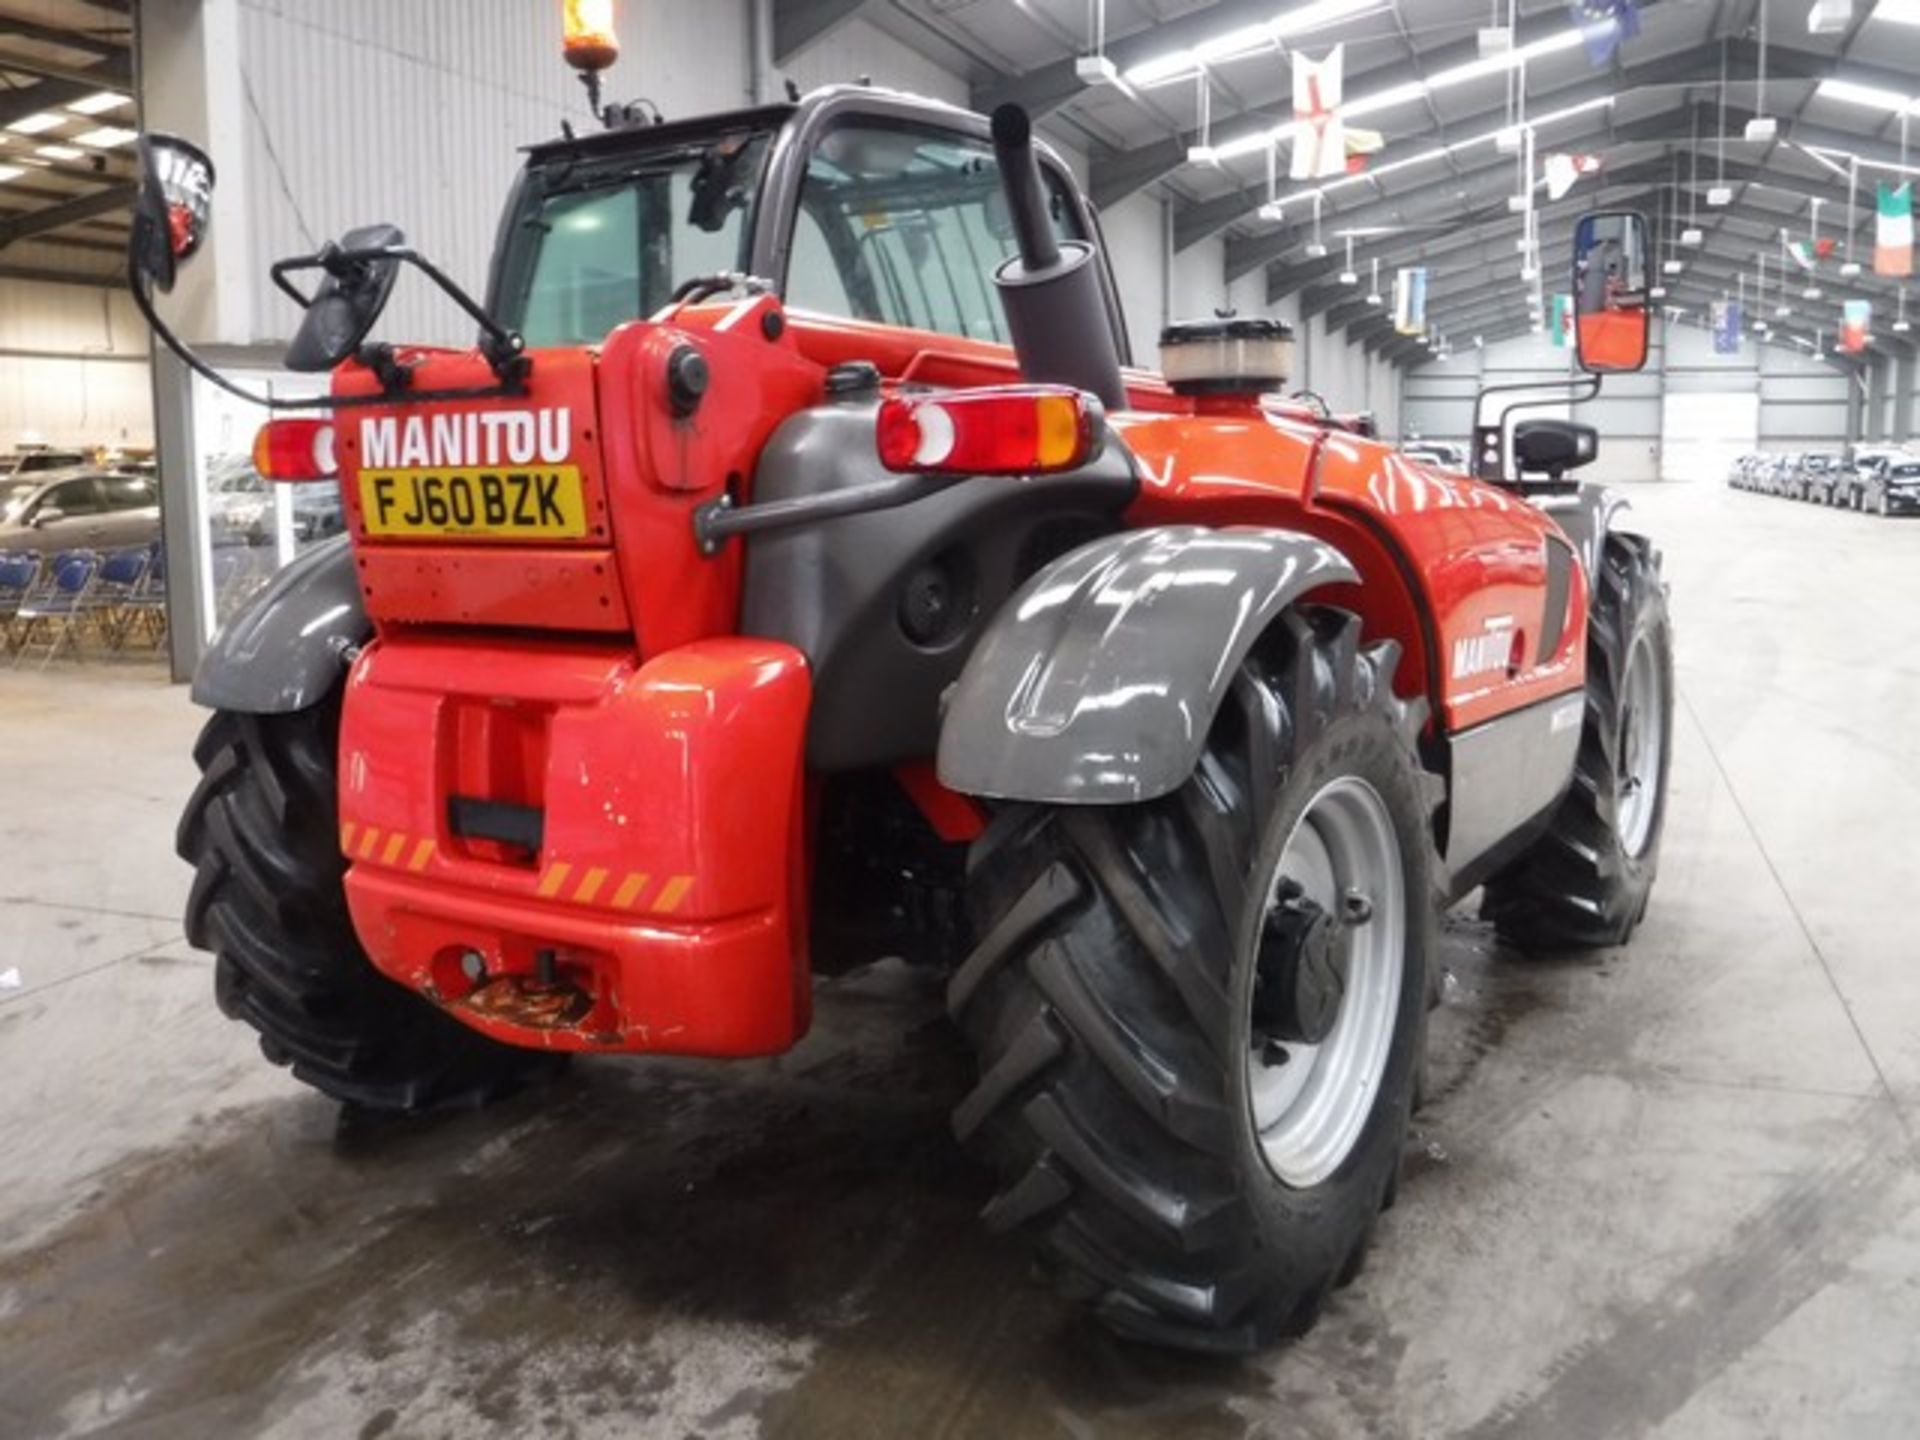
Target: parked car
(78, 510)
(241, 507)
(39, 462)
(1819, 475)
(1894, 489)
(1437, 452)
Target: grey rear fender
(1097, 683)
(288, 647)
(1588, 516)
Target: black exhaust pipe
(1056, 311)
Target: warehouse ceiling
(1438, 194)
(66, 133)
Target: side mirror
(172, 209)
(342, 312)
(1553, 447)
(1610, 284)
(46, 515)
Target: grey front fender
(287, 648)
(1097, 683)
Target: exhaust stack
(1050, 291)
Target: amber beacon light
(589, 44)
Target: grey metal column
(1856, 403)
(1904, 377)
(1876, 398)
(179, 510)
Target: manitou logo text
(482, 438)
(1483, 654)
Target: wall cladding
(73, 367)
(1803, 401)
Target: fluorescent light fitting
(10, 172)
(1781, 312)
(1658, 292)
(1673, 267)
(1347, 277)
(1849, 269)
(1851, 92)
(1812, 292)
(61, 152)
(1761, 129)
(99, 102)
(1202, 155)
(1243, 145)
(1900, 327)
(1494, 39)
(1692, 239)
(1316, 251)
(1719, 195)
(106, 137)
(1899, 12)
(1273, 210)
(1247, 40)
(40, 123)
(1374, 298)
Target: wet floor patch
(783, 1248)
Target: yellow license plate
(542, 502)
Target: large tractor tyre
(261, 832)
(1584, 883)
(1199, 1020)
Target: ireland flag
(1893, 231)
(1856, 319)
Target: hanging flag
(1410, 301)
(1893, 231)
(1360, 144)
(1726, 327)
(1561, 330)
(1856, 317)
(1562, 170)
(1320, 136)
(1809, 253)
(1604, 24)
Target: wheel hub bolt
(1273, 1054)
(1356, 907)
(473, 965)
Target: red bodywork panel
(670, 879)
(594, 682)
(1442, 559)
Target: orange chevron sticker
(672, 894)
(629, 891)
(555, 877)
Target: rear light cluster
(295, 450)
(1011, 430)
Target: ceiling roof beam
(800, 23)
(25, 225)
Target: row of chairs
(51, 604)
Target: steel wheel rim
(1309, 1112)
(1642, 747)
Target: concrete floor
(1666, 1191)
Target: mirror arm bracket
(1490, 440)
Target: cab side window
(905, 226)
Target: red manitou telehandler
(795, 572)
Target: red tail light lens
(295, 450)
(1015, 430)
